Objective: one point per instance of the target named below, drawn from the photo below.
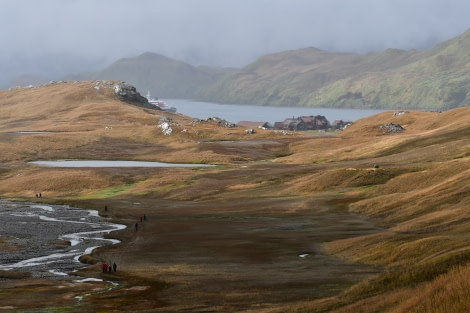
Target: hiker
(109, 268)
(40, 195)
(145, 217)
(114, 267)
(141, 219)
(136, 226)
(104, 267)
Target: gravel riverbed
(47, 240)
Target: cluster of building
(318, 122)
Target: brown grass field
(351, 221)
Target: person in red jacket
(104, 266)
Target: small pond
(111, 163)
(31, 132)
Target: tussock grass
(343, 178)
(447, 293)
(438, 286)
(411, 274)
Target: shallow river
(48, 239)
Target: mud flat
(47, 240)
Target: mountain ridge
(163, 76)
(437, 78)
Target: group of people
(136, 226)
(108, 268)
(142, 218)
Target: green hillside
(437, 78)
(433, 79)
(302, 77)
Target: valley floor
(215, 256)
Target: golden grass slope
(414, 185)
(85, 120)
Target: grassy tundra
(357, 221)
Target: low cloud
(54, 37)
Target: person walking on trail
(114, 267)
(104, 266)
(145, 217)
(136, 226)
(141, 219)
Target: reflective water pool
(111, 163)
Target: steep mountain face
(162, 76)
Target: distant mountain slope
(299, 78)
(438, 78)
(162, 76)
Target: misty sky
(55, 37)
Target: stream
(47, 240)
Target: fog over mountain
(52, 38)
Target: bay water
(245, 112)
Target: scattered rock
(219, 121)
(391, 128)
(166, 128)
(283, 132)
(166, 124)
(399, 113)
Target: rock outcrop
(128, 93)
(391, 128)
(218, 121)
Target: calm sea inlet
(245, 112)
